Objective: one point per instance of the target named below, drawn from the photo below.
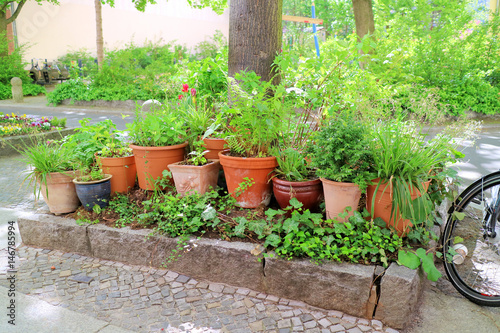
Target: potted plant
(405, 163)
(294, 178)
(195, 173)
(93, 187)
(159, 139)
(342, 158)
(117, 159)
(214, 138)
(257, 120)
(51, 175)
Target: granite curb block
(332, 286)
(9, 146)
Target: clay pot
(338, 196)
(214, 146)
(123, 171)
(189, 179)
(94, 192)
(383, 206)
(258, 170)
(60, 193)
(151, 161)
(309, 193)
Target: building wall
(10, 35)
(51, 31)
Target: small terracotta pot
(309, 193)
(259, 170)
(123, 170)
(214, 146)
(338, 196)
(61, 192)
(151, 161)
(191, 178)
(383, 206)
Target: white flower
(298, 91)
(386, 62)
(390, 55)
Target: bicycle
(471, 241)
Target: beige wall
(51, 31)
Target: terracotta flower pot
(94, 192)
(214, 146)
(258, 170)
(191, 178)
(383, 206)
(123, 170)
(309, 193)
(151, 161)
(61, 192)
(338, 196)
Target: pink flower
(185, 87)
(193, 92)
(180, 96)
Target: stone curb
(12, 145)
(332, 286)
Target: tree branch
(14, 15)
(2, 7)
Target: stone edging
(351, 288)
(11, 145)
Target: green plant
(44, 159)
(88, 174)
(292, 165)
(197, 156)
(157, 129)
(340, 151)
(404, 161)
(257, 114)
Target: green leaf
(433, 273)
(459, 216)
(408, 259)
(209, 213)
(295, 203)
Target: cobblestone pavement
(146, 299)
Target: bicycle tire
(475, 270)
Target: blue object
(94, 194)
(314, 30)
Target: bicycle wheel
(475, 268)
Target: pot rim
(295, 183)
(79, 182)
(135, 147)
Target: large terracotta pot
(123, 171)
(214, 146)
(151, 161)
(382, 206)
(338, 196)
(60, 194)
(258, 170)
(94, 192)
(189, 179)
(309, 193)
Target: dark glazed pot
(94, 192)
(309, 193)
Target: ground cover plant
(12, 124)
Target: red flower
(185, 87)
(180, 96)
(193, 92)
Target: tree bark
(4, 21)
(255, 33)
(99, 36)
(363, 17)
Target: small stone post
(17, 90)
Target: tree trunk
(3, 33)
(363, 17)
(255, 33)
(99, 36)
